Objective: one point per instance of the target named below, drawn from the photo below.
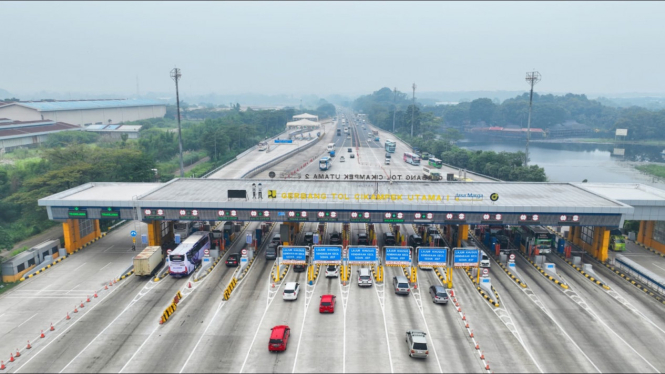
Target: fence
(640, 273)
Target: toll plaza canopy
(340, 200)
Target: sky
(328, 48)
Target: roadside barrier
(630, 280)
(481, 291)
(562, 285)
(229, 288)
(438, 274)
(512, 276)
(586, 275)
(481, 354)
(168, 312)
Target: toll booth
(41, 254)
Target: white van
(364, 277)
(484, 260)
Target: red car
(279, 338)
(327, 304)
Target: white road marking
(385, 323)
(45, 287)
(304, 317)
(109, 248)
(78, 285)
(79, 266)
(660, 267)
(69, 327)
(427, 328)
(24, 322)
(138, 350)
(341, 290)
(106, 266)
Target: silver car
(417, 344)
(438, 294)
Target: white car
(332, 271)
(291, 291)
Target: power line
(533, 78)
(175, 75)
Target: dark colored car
(309, 238)
(363, 239)
(350, 150)
(299, 268)
(352, 156)
(415, 240)
(271, 251)
(335, 238)
(389, 238)
(232, 260)
(437, 240)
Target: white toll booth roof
(303, 123)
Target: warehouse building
(84, 112)
(15, 134)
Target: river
(574, 162)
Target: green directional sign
(109, 213)
(77, 212)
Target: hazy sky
(331, 47)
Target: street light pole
(533, 78)
(413, 108)
(175, 74)
(394, 108)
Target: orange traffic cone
(110, 283)
(487, 367)
(75, 310)
(467, 325)
(189, 285)
(29, 346)
(11, 357)
(463, 317)
(477, 348)
(106, 287)
(42, 335)
(161, 321)
(471, 334)
(482, 355)
(115, 281)
(95, 294)
(68, 317)
(18, 354)
(52, 328)
(2, 365)
(88, 299)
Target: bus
(188, 255)
(411, 158)
(435, 162)
(331, 146)
(536, 237)
(263, 146)
(324, 163)
(390, 145)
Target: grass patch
(200, 169)
(4, 287)
(17, 251)
(656, 170)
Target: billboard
(466, 257)
(622, 132)
(432, 256)
(327, 254)
(363, 255)
(398, 255)
(294, 255)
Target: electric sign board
(327, 254)
(466, 257)
(432, 256)
(294, 255)
(398, 255)
(363, 255)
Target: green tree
(482, 110)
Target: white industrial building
(85, 112)
(15, 134)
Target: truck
(147, 262)
(432, 174)
(184, 228)
(375, 133)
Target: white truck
(432, 174)
(147, 262)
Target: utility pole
(413, 108)
(394, 108)
(175, 75)
(533, 78)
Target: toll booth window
(659, 231)
(45, 254)
(54, 250)
(31, 262)
(20, 268)
(587, 234)
(86, 227)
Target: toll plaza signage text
(466, 257)
(432, 256)
(327, 254)
(294, 255)
(398, 255)
(363, 255)
(370, 197)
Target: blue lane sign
(466, 257)
(294, 255)
(398, 255)
(362, 255)
(283, 141)
(327, 254)
(433, 256)
(549, 266)
(132, 233)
